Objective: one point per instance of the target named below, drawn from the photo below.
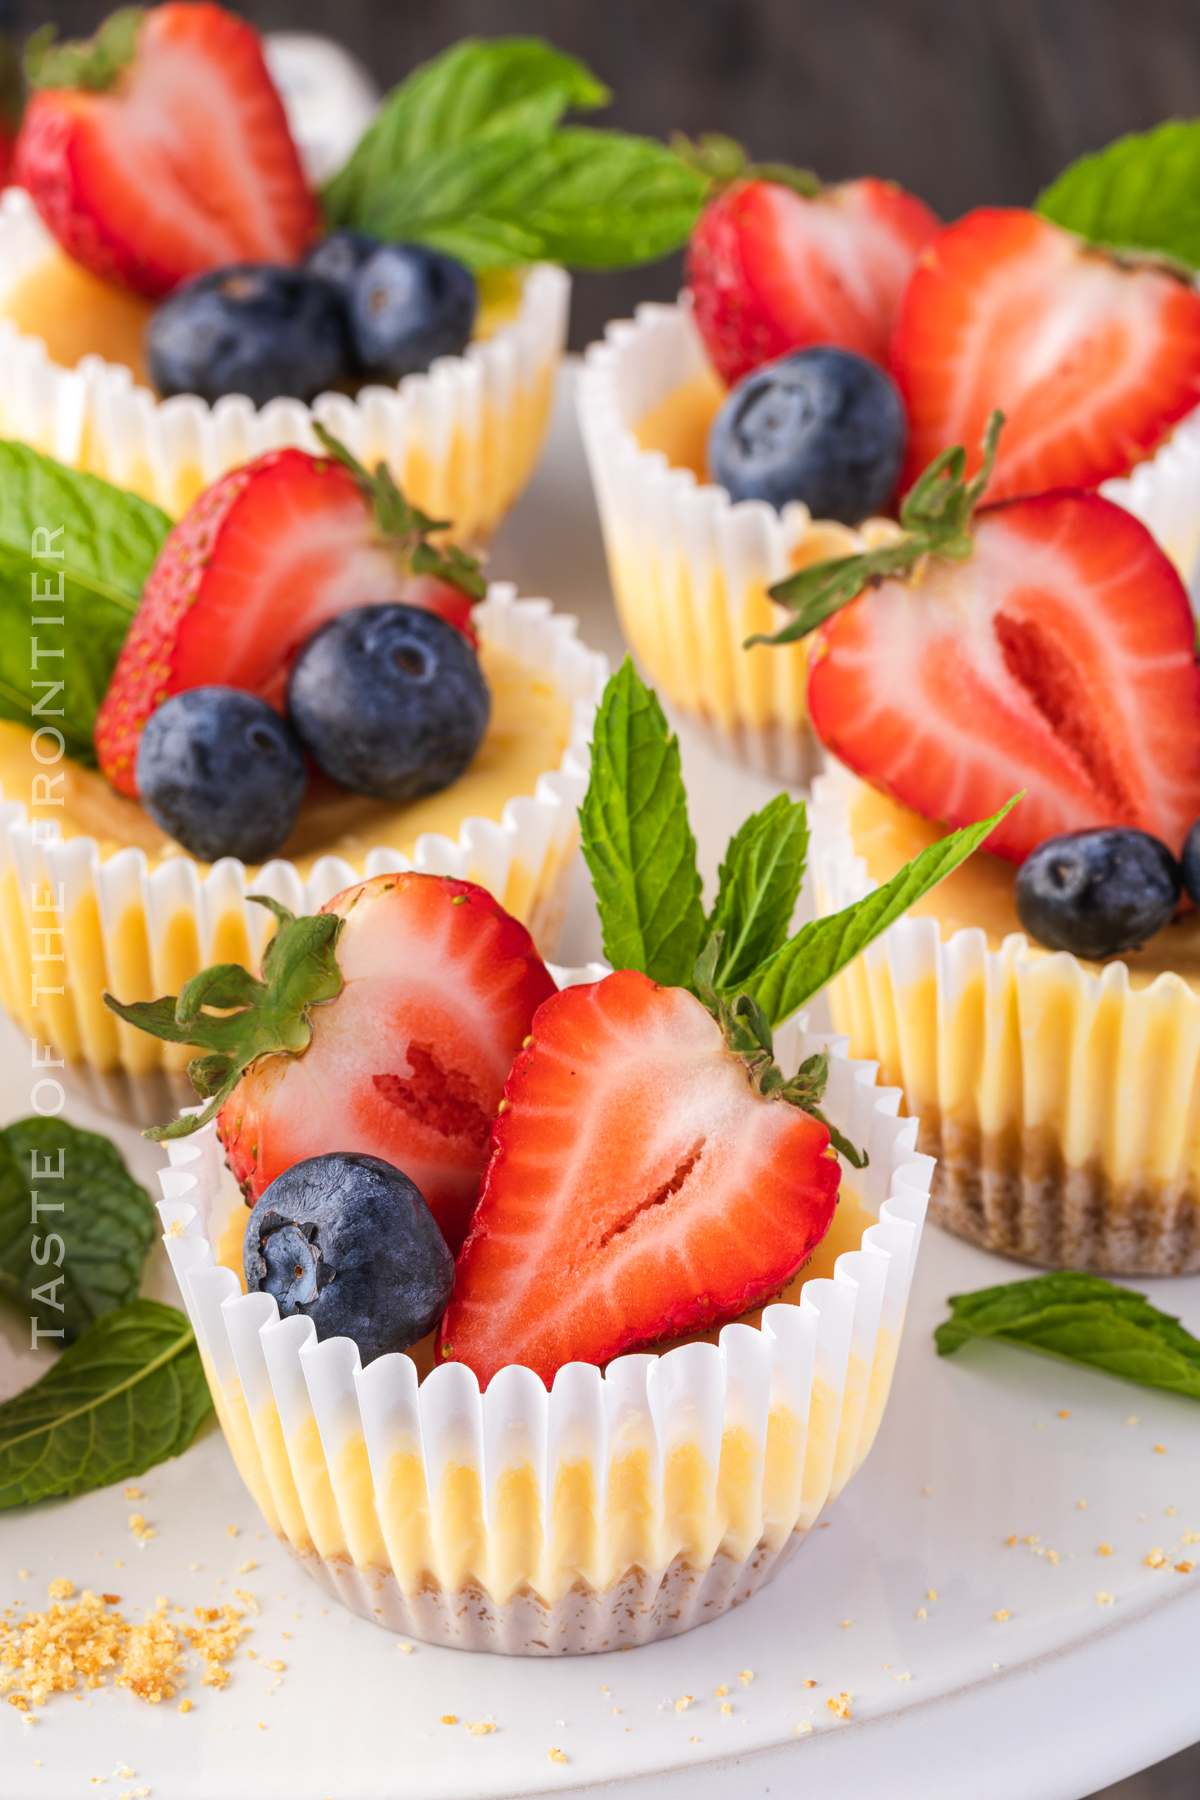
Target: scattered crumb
(62, 1589)
(1171, 1511)
(217, 1637)
(922, 1613)
(931, 1594)
(926, 1491)
(1184, 1568)
(727, 1706)
(846, 1624)
(803, 1727)
(276, 1667)
(825, 1524)
(185, 1705)
(195, 1567)
(839, 1705)
(746, 1677)
(808, 1682)
(449, 1718)
(175, 1229)
(24, 1574)
(1052, 1556)
(1035, 1538)
(1160, 1449)
(1002, 1615)
(905, 1677)
(232, 1530)
(1105, 1550)
(720, 1692)
(557, 1755)
(141, 1531)
(1103, 1599)
(1064, 1414)
(261, 1726)
(1155, 1560)
(1081, 1506)
(247, 1599)
(682, 1704)
(1011, 1539)
(1132, 1419)
(481, 1728)
(404, 1649)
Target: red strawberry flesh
(408, 1063)
(638, 1187)
(1091, 362)
(184, 164)
(1058, 659)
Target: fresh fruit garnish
(822, 426)
(1189, 863)
(389, 701)
(1097, 893)
(159, 148)
(640, 1186)
(386, 1024)
(1046, 644)
(347, 1241)
(467, 156)
(222, 773)
(264, 557)
(1138, 193)
(407, 305)
(778, 262)
(251, 329)
(338, 258)
(1092, 360)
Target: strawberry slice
(160, 149)
(1091, 360)
(1059, 658)
(386, 1024)
(639, 1186)
(771, 270)
(264, 557)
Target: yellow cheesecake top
(529, 730)
(980, 892)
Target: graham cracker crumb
(905, 1677)
(803, 1727)
(1064, 1414)
(449, 1718)
(556, 1755)
(1155, 1560)
(922, 1613)
(1160, 1449)
(746, 1677)
(840, 1705)
(134, 1493)
(1184, 1568)
(246, 1567)
(185, 1706)
(153, 1664)
(1105, 1549)
(682, 1704)
(727, 1706)
(1002, 1615)
(216, 1638)
(1081, 1506)
(404, 1649)
(931, 1594)
(62, 1589)
(175, 1228)
(231, 1530)
(1011, 1539)
(481, 1728)
(1103, 1599)
(1132, 1419)
(808, 1682)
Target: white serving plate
(1050, 1704)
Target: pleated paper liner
(139, 931)
(461, 440)
(1061, 1102)
(617, 1508)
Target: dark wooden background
(964, 101)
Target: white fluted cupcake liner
(613, 1510)
(1164, 493)
(1059, 1100)
(139, 931)
(461, 440)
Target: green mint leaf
(823, 947)
(103, 1220)
(127, 1395)
(109, 539)
(1082, 1319)
(1141, 193)
(759, 885)
(636, 838)
(477, 88)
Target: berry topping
(385, 1024)
(1046, 646)
(262, 559)
(777, 262)
(1091, 359)
(406, 306)
(823, 426)
(389, 701)
(159, 149)
(220, 771)
(640, 1186)
(348, 1241)
(1189, 863)
(1097, 893)
(251, 329)
(338, 258)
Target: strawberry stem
(747, 1032)
(236, 1018)
(92, 63)
(406, 527)
(721, 161)
(936, 517)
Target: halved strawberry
(160, 149)
(1058, 658)
(263, 557)
(1092, 360)
(639, 1186)
(771, 269)
(387, 1025)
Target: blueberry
(338, 258)
(823, 426)
(1097, 893)
(408, 304)
(222, 772)
(251, 329)
(389, 700)
(348, 1240)
(1190, 863)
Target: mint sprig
(405, 528)
(1082, 1319)
(469, 157)
(936, 519)
(1141, 193)
(128, 1394)
(104, 1221)
(235, 1018)
(109, 540)
(758, 886)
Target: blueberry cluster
(357, 310)
(389, 701)
(1099, 893)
